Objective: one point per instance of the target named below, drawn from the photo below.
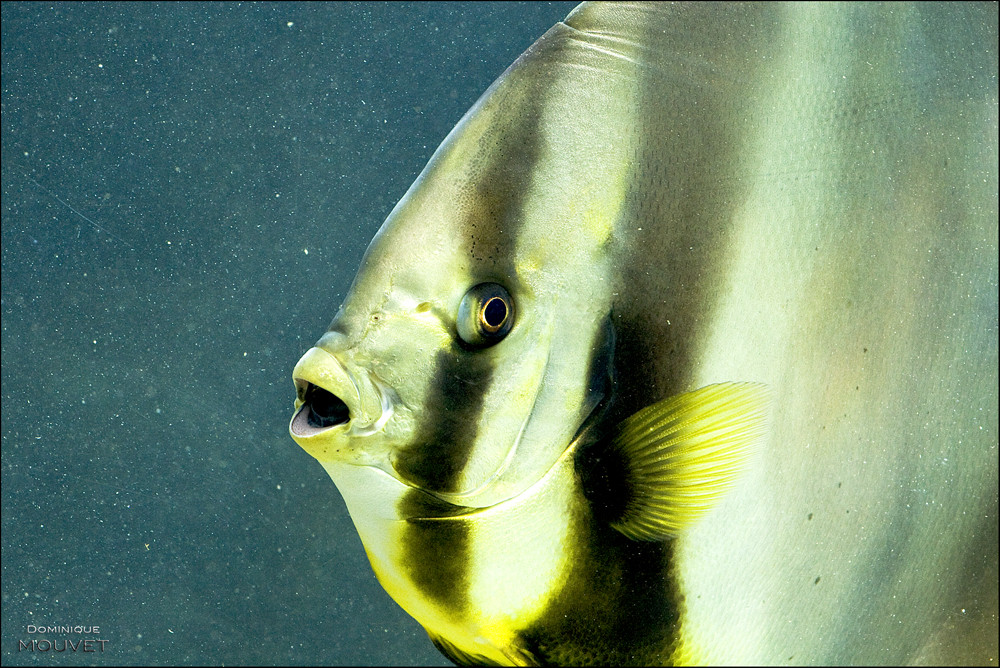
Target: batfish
(683, 347)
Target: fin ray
(682, 454)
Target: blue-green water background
(166, 168)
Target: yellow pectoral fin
(680, 455)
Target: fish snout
(334, 403)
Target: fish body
(683, 347)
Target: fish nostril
(325, 408)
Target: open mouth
(338, 399)
(320, 410)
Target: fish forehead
(510, 194)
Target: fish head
(474, 343)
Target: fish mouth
(333, 404)
(320, 410)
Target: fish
(682, 348)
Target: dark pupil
(494, 313)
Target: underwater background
(188, 189)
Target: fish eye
(485, 315)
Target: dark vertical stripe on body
(497, 174)
(449, 420)
(622, 603)
(436, 551)
(620, 606)
(678, 225)
(502, 165)
(490, 214)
